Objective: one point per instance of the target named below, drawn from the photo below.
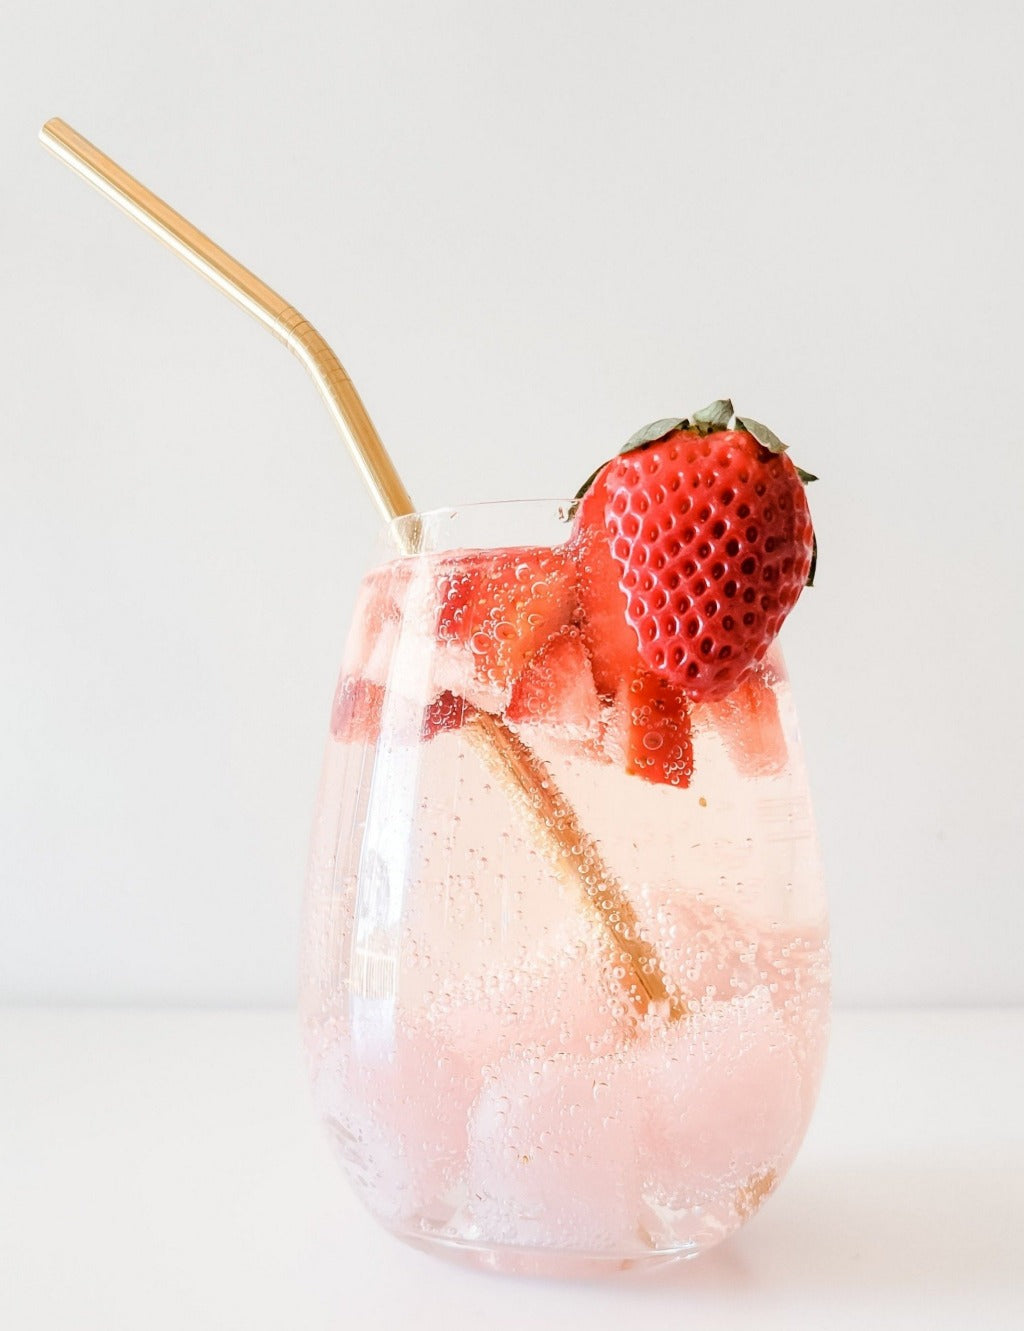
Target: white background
(527, 229)
(165, 1174)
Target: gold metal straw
(272, 310)
(528, 782)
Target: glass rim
(479, 522)
(452, 511)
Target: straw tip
(51, 128)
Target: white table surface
(163, 1170)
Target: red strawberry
(502, 606)
(610, 640)
(649, 730)
(557, 688)
(709, 532)
(748, 724)
(446, 712)
(359, 705)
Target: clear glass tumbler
(565, 1005)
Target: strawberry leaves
(715, 416)
(650, 434)
(765, 437)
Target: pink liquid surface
(490, 1090)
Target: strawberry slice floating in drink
(557, 687)
(497, 609)
(649, 730)
(748, 723)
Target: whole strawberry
(694, 543)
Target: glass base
(547, 1263)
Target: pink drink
(471, 1018)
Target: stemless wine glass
(562, 1013)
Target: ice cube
(399, 1118)
(721, 1113)
(552, 1155)
(376, 621)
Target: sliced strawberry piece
(649, 730)
(499, 607)
(557, 687)
(359, 707)
(355, 716)
(609, 636)
(447, 712)
(749, 725)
